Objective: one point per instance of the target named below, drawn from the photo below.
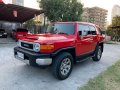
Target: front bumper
(38, 58)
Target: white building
(116, 11)
(17, 2)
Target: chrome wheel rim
(65, 66)
(99, 53)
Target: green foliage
(108, 80)
(109, 31)
(29, 23)
(62, 10)
(116, 21)
(115, 31)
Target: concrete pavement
(16, 75)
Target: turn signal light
(47, 47)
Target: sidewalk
(6, 40)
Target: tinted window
(22, 30)
(61, 28)
(83, 30)
(93, 30)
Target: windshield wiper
(62, 33)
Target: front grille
(26, 45)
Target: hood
(49, 38)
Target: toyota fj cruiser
(62, 45)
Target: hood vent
(32, 38)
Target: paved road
(15, 75)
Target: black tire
(32, 63)
(97, 54)
(57, 64)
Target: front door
(84, 41)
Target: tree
(29, 23)
(62, 10)
(116, 21)
(114, 29)
(110, 31)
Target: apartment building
(17, 2)
(95, 15)
(116, 11)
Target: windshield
(68, 29)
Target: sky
(31, 4)
(106, 4)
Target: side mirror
(80, 33)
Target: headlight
(36, 47)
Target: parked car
(20, 32)
(3, 34)
(63, 45)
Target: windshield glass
(61, 29)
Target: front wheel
(98, 53)
(62, 65)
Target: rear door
(84, 41)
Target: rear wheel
(98, 53)
(62, 66)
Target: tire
(98, 53)
(32, 63)
(60, 70)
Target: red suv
(20, 32)
(63, 45)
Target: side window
(92, 29)
(83, 30)
(99, 30)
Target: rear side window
(83, 30)
(99, 30)
(92, 30)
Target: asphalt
(16, 75)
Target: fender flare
(62, 49)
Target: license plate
(20, 55)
